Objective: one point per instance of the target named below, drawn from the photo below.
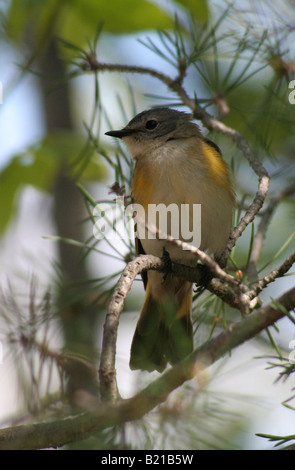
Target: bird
(175, 166)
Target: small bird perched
(175, 164)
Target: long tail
(164, 330)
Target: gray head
(155, 127)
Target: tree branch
(263, 226)
(107, 372)
(273, 275)
(61, 432)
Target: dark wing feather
(140, 251)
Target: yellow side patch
(216, 165)
(142, 188)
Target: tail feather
(164, 331)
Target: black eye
(150, 125)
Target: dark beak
(121, 133)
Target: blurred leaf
(36, 22)
(39, 165)
(264, 118)
(32, 21)
(69, 148)
(117, 17)
(23, 170)
(199, 9)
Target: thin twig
(272, 276)
(258, 168)
(107, 371)
(239, 298)
(60, 432)
(263, 226)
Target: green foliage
(76, 20)
(117, 17)
(38, 166)
(198, 9)
(34, 23)
(280, 440)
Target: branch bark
(61, 432)
(107, 371)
